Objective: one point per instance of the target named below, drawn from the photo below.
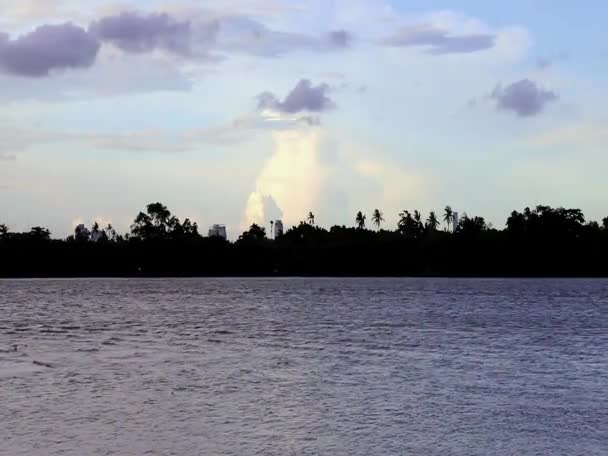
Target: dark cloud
(439, 41)
(48, 48)
(339, 38)
(303, 97)
(137, 32)
(57, 47)
(525, 98)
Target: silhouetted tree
(360, 220)
(409, 226)
(471, 226)
(448, 216)
(111, 233)
(432, 223)
(40, 234)
(255, 233)
(155, 223)
(539, 241)
(311, 218)
(377, 218)
(81, 234)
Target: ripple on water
(304, 367)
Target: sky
(246, 111)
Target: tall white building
(278, 228)
(455, 222)
(218, 231)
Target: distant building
(455, 222)
(82, 233)
(278, 228)
(218, 231)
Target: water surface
(304, 367)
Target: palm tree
(311, 218)
(111, 232)
(432, 223)
(360, 220)
(448, 216)
(377, 218)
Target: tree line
(542, 241)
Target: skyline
(265, 110)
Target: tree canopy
(543, 241)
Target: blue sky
(263, 109)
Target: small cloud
(525, 98)
(439, 41)
(340, 38)
(48, 48)
(303, 97)
(545, 62)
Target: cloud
(440, 41)
(292, 179)
(340, 38)
(139, 32)
(57, 47)
(242, 34)
(525, 98)
(303, 97)
(545, 62)
(136, 32)
(261, 209)
(48, 48)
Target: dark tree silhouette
(255, 233)
(40, 234)
(448, 216)
(360, 220)
(409, 226)
(432, 222)
(543, 241)
(377, 218)
(311, 218)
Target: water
(304, 367)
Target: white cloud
(293, 177)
